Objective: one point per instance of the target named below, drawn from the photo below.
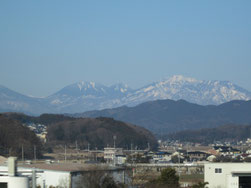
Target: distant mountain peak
(121, 87)
(176, 80)
(85, 85)
(181, 78)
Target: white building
(110, 153)
(65, 175)
(228, 175)
(9, 178)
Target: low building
(227, 150)
(197, 155)
(162, 157)
(228, 175)
(10, 179)
(120, 159)
(68, 175)
(110, 153)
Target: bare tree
(97, 177)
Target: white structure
(10, 179)
(64, 175)
(14, 182)
(110, 153)
(228, 175)
(120, 159)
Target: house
(197, 155)
(3, 160)
(162, 157)
(110, 153)
(228, 175)
(227, 150)
(120, 159)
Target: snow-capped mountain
(85, 96)
(192, 90)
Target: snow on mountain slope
(86, 96)
(192, 90)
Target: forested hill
(99, 133)
(45, 119)
(209, 135)
(14, 136)
(166, 116)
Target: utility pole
(22, 152)
(179, 163)
(35, 155)
(65, 153)
(96, 157)
(88, 148)
(114, 141)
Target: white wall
(225, 179)
(48, 177)
(15, 182)
(54, 178)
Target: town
(194, 163)
(125, 94)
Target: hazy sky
(48, 44)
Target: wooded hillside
(99, 133)
(13, 135)
(209, 135)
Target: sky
(47, 45)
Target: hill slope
(166, 116)
(222, 133)
(13, 135)
(99, 133)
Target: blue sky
(46, 45)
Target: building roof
(196, 152)
(213, 152)
(163, 153)
(2, 160)
(69, 167)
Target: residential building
(197, 155)
(110, 153)
(228, 175)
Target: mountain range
(168, 116)
(85, 96)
